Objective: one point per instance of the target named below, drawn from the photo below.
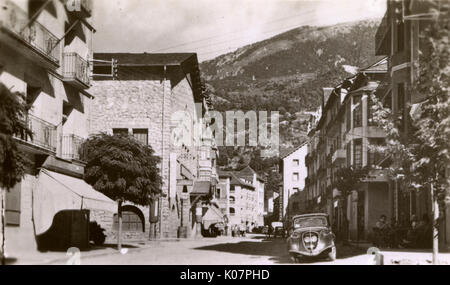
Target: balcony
(383, 36)
(338, 154)
(44, 135)
(76, 70)
(36, 42)
(71, 146)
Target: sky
(213, 27)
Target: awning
(55, 192)
(212, 216)
(202, 188)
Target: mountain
(287, 72)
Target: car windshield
(310, 222)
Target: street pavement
(250, 250)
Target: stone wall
(149, 103)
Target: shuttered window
(141, 135)
(12, 206)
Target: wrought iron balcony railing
(33, 34)
(75, 68)
(44, 134)
(71, 147)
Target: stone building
(258, 181)
(157, 98)
(45, 50)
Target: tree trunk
(119, 234)
(435, 225)
(3, 220)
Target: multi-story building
(294, 171)
(239, 200)
(157, 98)
(45, 50)
(341, 138)
(398, 38)
(250, 175)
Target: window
(370, 112)
(141, 135)
(232, 188)
(357, 112)
(12, 206)
(374, 157)
(232, 200)
(357, 153)
(296, 162)
(232, 212)
(400, 36)
(121, 131)
(295, 176)
(218, 193)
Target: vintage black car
(311, 235)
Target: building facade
(339, 138)
(239, 199)
(398, 38)
(157, 99)
(294, 171)
(45, 53)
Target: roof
(188, 63)
(223, 173)
(146, 59)
(292, 150)
(379, 66)
(247, 172)
(201, 187)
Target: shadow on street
(276, 249)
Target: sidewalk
(398, 256)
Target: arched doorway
(132, 219)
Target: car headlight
(313, 238)
(307, 239)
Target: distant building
(294, 171)
(240, 198)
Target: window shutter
(12, 206)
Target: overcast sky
(213, 27)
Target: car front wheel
(332, 254)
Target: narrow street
(251, 250)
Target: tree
(421, 155)
(347, 179)
(432, 121)
(12, 161)
(123, 169)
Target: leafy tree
(421, 155)
(12, 161)
(347, 179)
(123, 169)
